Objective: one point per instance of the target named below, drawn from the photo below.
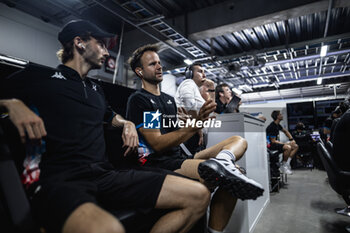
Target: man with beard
(159, 146)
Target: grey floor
(305, 205)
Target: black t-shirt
(341, 139)
(220, 107)
(272, 131)
(139, 104)
(73, 112)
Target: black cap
(79, 28)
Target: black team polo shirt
(73, 111)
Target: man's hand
(182, 114)
(26, 121)
(207, 90)
(130, 138)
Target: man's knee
(97, 226)
(89, 218)
(239, 139)
(287, 147)
(114, 226)
(107, 227)
(183, 193)
(295, 146)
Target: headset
(188, 72)
(81, 45)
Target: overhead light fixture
(324, 49)
(237, 91)
(319, 81)
(245, 88)
(13, 60)
(188, 61)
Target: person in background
(223, 96)
(340, 136)
(307, 145)
(331, 121)
(189, 98)
(273, 142)
(340, 111)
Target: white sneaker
(289, 167)
(222, 172)
(286, 170)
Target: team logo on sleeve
(58, 75)
(151, 120)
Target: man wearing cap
(76, 181)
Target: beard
(91, 58)
(152, 80)
(93, 62)
(95, 65)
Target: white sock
(213, 231)
(226, 154)
(288, 161)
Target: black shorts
(56, 198)
(171, 164)
(276, 146)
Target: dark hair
(135, 59)
(66, 52)
(219, 88)
(190, 67)
(275, 114)
(189, 70)
(300, 126)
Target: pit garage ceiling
(269, 49)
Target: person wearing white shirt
(189, 98)
(187, 94)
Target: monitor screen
(316, 136)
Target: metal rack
(139, 11)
